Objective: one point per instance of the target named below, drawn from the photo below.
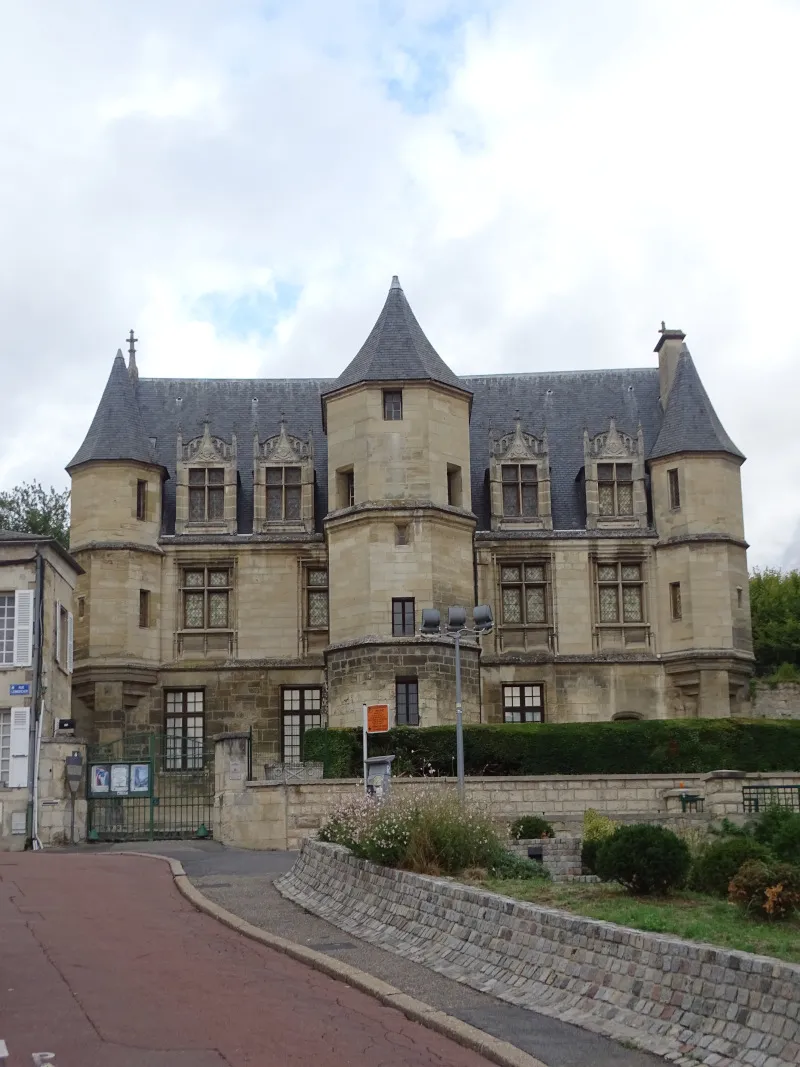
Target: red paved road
(104, 963)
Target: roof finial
(395, 282)
(133, 370)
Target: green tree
(30, 508)
(775, 607)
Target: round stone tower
(400, 525)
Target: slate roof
(141, 420)
(690, 423)
(117, 430)
(565, 403)
(172, 405)
(396, 350)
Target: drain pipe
(34, 736)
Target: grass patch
(692, 916)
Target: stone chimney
(669, 347)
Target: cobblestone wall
(690, 1002)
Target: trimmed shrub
(644, 859)
(713, 870)
(676, 746)
(530, 826)
(769, 890)
(786, 842)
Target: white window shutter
(18, 764)
(70, 631)
(23, 628)
(59, 651)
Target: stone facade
(689, 1002)
(263, 550)
(37, 582)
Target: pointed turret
(396, 350)
(117, 431)
(690, 422)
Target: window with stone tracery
(316, 598)
(615, 489)
(620, 592)
(524, 593)
(206, 598)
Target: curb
(500, 1052)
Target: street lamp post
(457, 628)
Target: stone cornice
(400, 508)
(630, 533)
(241, 540)
(701, 538)
(116, 546)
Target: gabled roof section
(690, 422)
(396, 350)
(117, 430)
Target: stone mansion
(257, 553)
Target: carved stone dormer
(283, 483)
(614, 477)
(519, 481)
(205, 494)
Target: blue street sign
(21, 690)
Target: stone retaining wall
(781, 701)
(690, 1002)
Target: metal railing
(756, 798)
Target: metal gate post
(152, 761)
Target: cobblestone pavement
(105, 964)
(241, 881)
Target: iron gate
(149, 786)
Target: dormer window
(284, 491)
(520, 490)
(519, 480)
(615, 489)
(392, 405)
(206, 494)
(614, 478)
(206, 476)
(283, 477)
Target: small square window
(401, 534)
(403, 617)
(392, 405)
(407, 701)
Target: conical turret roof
(117, 430)
(690, 422)
(396, 350)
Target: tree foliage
(775, 607)
(30, 508)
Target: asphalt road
(104, 964)
(241, 881)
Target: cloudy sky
(238, 181)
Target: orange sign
(377, 718)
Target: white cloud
(580, 172)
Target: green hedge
(677, 746)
